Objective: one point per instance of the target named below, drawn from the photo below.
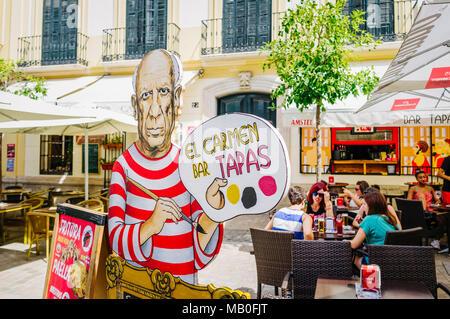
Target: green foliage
(312, 54)
(31, 86)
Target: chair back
(408, 237)
(35, 202)
(408, 263)
(39, 223)
(412, 213)
(94, 204)
(75, 200)
(272, 255)
(314, 258)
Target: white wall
(192, 12)
(100, 16)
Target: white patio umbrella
(415, 88)
(105, 122)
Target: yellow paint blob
(233, 194)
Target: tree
(31, 86)
(311, 57)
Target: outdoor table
(327, 288)
(336, 187)
(54, 196)
(351, 211)
(7, 208)
(50, 212)
(332, 236)
(18, 191)
(390, 197)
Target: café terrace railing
(389, 20)
(38, 50)
(117, 47)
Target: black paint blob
(248, 197)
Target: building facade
(88, 50)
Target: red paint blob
(268, 185)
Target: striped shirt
(176, 248)
(287, 219)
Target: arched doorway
(253, 103)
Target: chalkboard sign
(93, 158)
(76, 265)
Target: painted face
(156, 104)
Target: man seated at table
(294, 217)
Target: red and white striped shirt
(176, 248)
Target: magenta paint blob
(268, 185)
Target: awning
(417, 82)
(111, 92)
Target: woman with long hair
(379, 220)
(319, 201)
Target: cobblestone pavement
(234, 267)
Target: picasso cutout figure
(162, 218)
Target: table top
(332, 236)
(338, 185)
(390, 289)
(67, 193)
(441, 207)
(8, 206)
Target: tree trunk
(318, 144)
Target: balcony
(38, 50)
(221, 35)
(388, 20)
(133, 43)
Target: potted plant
(116, 142)
(106, 166)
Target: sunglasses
(368, 191)
(318, 194)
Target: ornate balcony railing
(223, 36)
(133, 43)
(38, 50)
(388, 20)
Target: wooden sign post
(76, 266)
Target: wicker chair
(35, 202)
(408, 237)
(40, 229)
(409, 263)
(273, 257)
(94, 204)
(412, 216)
(314, 258)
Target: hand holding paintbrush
(168, 210)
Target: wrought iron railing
(388, 20)
(133, 43)
(214, 33)
(38, 50)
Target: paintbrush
(152, 195)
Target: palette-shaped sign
(235, 164)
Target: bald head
(156, 101)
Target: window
(379, 16)
(56, 154)
(59, 32)
(257, 104)
(146, 27)
(246, 24)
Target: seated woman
(426, 195)
(318, 201)
(362, 212)
(422, 191)
(293, 218)
(351, 199)
(379, 220)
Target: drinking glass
(345, 219)
(321, 225)
(339, 226)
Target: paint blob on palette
(235, 164)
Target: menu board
(77, 244)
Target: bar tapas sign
(78, 252)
